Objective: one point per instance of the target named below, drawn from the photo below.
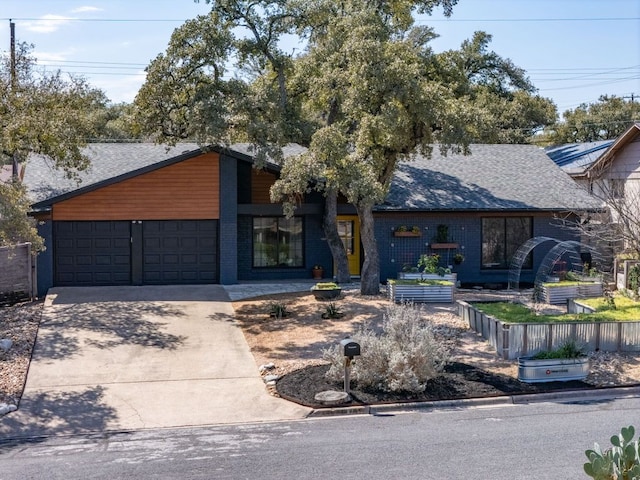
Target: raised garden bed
(532, 370)
(451, 277)
(419, 291)
(557, 293)
(513, 340)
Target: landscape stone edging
(7, 408)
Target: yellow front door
(349, 231)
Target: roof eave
(620, 143)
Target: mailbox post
(349, 349)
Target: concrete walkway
(124, 358)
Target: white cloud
(86, 8)
(46, 24)
(119, 89)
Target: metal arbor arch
(572, 247)
(520, 256)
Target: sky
(573, 51)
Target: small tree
(15, 225)
(615, 229)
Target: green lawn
(626, 310)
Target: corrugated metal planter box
(451, 277)
(552, 370)
(513, 340)
(421, 293)
(558, 294)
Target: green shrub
(429, 263)
(332, 311)
(569, 349)
(402, 358)
(620, 462)
(278, 310)
(634, 279)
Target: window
(501, 238)
(277, 242)
(616, 188)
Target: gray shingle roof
(108, 161)
(492, 177)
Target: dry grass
(297, 340)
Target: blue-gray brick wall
(228, 232)
(44, 260)
(466, 232)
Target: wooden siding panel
(185, 190)
(261, 182)
(626, 164)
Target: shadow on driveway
(66, 413)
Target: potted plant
(567, 362)
(458, 258)
(404, 231)
(317, 271)
(442, 235)
(441, 240)
(326, 290)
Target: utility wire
(426, 20)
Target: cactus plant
(620, 462)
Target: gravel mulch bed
(18, 323)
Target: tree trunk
(370, 275)
(333, 238)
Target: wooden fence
(513, 340)
(17, 273)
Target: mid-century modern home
(148, 214)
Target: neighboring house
(148, 214)
(608, 168)
(610, 171)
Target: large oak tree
(365, 92)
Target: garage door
(179, 252)
(125, 253)
(92, 253)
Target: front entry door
(349, 231)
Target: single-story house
(149, 214)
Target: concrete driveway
(123, 358)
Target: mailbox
(349, 348)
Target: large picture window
(501, 238)
(277, 242)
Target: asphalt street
(499, 442)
